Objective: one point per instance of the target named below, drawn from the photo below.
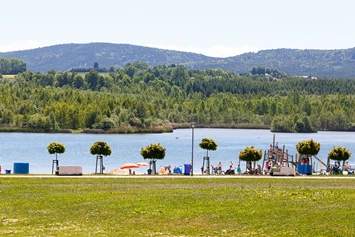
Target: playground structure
(279, 160)
(303, 164)
(281, 164)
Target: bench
(69, 170)
(283, 171)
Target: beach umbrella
(143, 164)
(129, 166)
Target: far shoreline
(167, 128)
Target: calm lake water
(32, 148)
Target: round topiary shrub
(208, 144)
(308, 147)
(100, 148)
(56, 148)
(250, 154)
(339, 154)
(153, 152)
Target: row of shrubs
(157, 151)
(307, 147)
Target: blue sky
(215, 28)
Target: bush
(308, 147)
(100, 148)
(153, 151)
(339, 153)
(208, 144)
(56, 148)
(250, 154)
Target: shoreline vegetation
(167, 128)
(132, 129)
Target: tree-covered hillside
(320, 63)
(66, 56)
(142, 97)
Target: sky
(215, 28)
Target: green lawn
(176, 206)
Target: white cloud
(29, 44)
(215, 51)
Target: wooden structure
(276, 156)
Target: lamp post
(192, 148)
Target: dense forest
(320, 63)
(12, 66)
(138, 96)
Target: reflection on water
(32, 148)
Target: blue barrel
(308, 169)
(21, 168)
(187, 169)
(300, 169)
(304, 169)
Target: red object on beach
(143, 164)
(129, 166)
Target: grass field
(176, 206)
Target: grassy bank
(222, 125)
(131, 129)
(120, 130)
(176, 207)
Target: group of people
(215, 169)
(219, 170)
(336, 168)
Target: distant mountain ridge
(338, 63)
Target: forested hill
(338, 63)
(66, 56)
(321, 63)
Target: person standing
(267, 167)
(239, 170)
(230, 164)
(219, 167)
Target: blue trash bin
(309, 169)
(187, 169)
(300, 169)
(21, 168)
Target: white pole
(192, 149)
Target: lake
(32, 147)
